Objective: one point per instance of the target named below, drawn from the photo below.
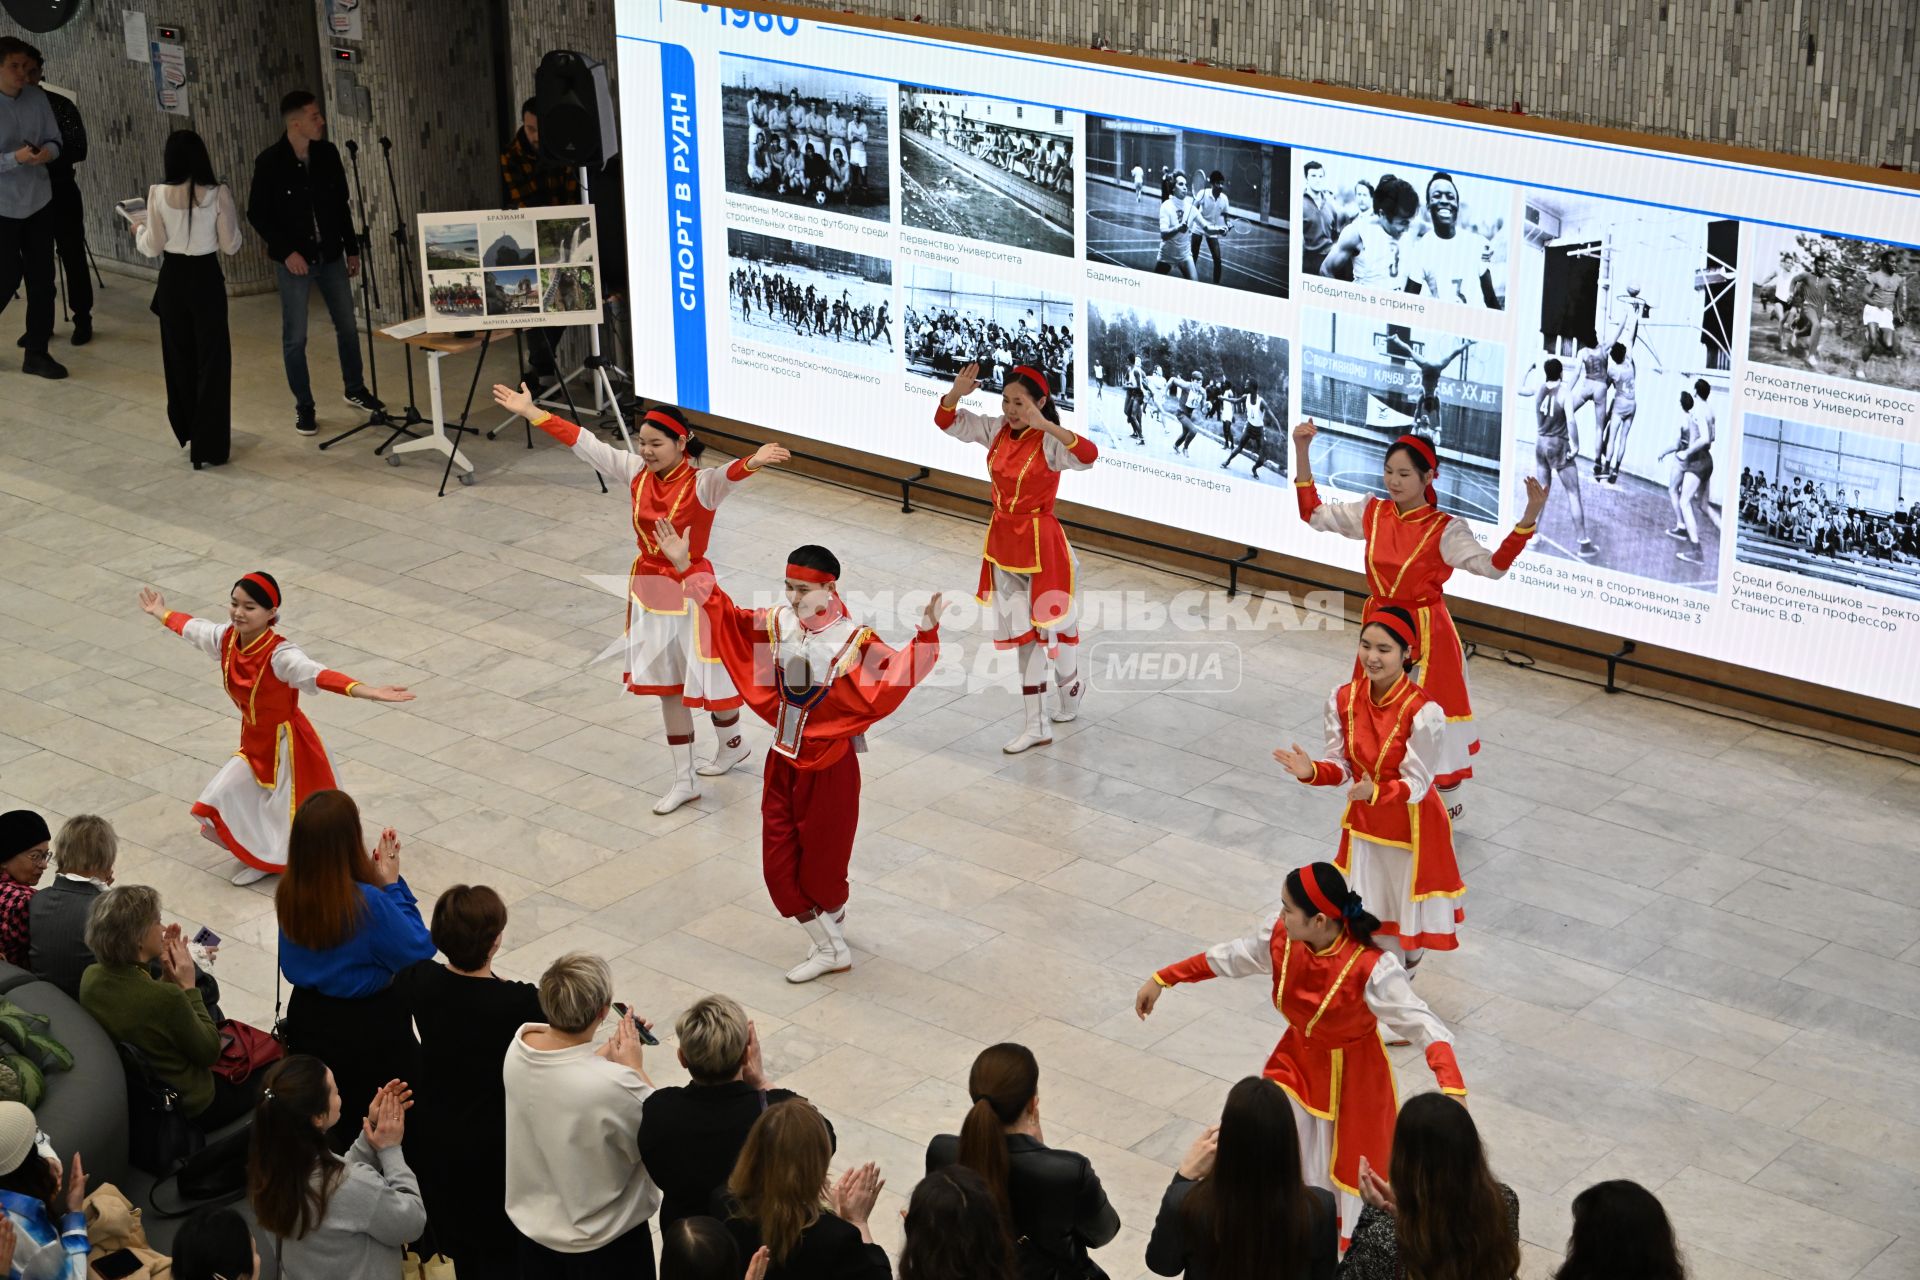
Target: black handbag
(160, 1138)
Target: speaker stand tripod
(596, 366)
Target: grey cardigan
(374, 1212)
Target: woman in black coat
(773, 1199)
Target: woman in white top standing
(188, 217)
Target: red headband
(1035, 374)
(265, 583)
(666, 424)
(1381, 618)
(1316, 895)
(1422, 448)
(802, 573)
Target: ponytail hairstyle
(1327, 894)
(289, 1145)
(1003, 1081)
(1035, 385)
(668, 420)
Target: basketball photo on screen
(950, 320)
(805, 297)
(804, 136)
(1840, 506)
(1404, 228)
(1367, 381)
(1188, 204)
(1624, 403)
(987, 168)
(1203, 396)
(1837, 306)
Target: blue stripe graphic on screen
(684, 237)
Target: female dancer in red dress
(1412, 549)
(1396, 841)
(248, 807)
(666, 657)
(1335, 989)
(1027, 568)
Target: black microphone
(353, 148)
(386, 144)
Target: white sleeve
(969, 427)
(1337, 738)
(150, 236)
(1349, 519)
(1459, 548)
(711, 486)
(205, 636)
(1060, 457)
(1423, 750)
(1244, 957)
(291, 664)
(615, 464)
(226, 220)
(1390, 995)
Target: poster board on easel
(510, 268)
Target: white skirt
(1316, 1164)
(1012, 607)
(248, 820)
(663, 659)
(1383, 877)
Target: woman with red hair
(666, 656)
(1412, 548)
(249, 806)
(1027, 569)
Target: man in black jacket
(298, 204)
(690, 1136)
(69, 214)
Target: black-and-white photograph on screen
(827, 302)
(1835, 505)
(1187, 203)
(1402, 228)
(987, 168)
(1836, 306)
(950, 319)
(1629, 310)
(1205, 396)
(804, 136)
(1368, 381)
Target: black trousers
(628, 1258)
(196, 353)
(70, 241)
(365, 1042)
(26, 253)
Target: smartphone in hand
(206, 938)
(646, 1037)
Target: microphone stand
(408, 285)
(369, 303)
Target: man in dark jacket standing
(69, 213)
(298, 204)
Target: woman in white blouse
(188, 217)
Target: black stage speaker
(575, 110)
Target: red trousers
(807, 821)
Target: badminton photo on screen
(1189, 204)
(1625, 314)
(1404, 228)
(804, 136)
(987, 168)
(806, 297)
(1833, 305)
(1367, 381)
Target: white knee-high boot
(1068, 685)
(1035, 729)
(686, 785)
(730, 747)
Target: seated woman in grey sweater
(337, 1219)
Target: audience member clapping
(774, 1198)
(1053, 1199)
(23, 860)
(342, 1219)
(699, 1248)
(348, 924)
(1439, 1213)
(956, 1230)
(1620, 1232)
(575, 1182)
(44, 1227)
(1237, 1208)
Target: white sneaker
(731, 751)
(828, 954)
(249, 875)
(1066, 704)
(1035, 730)
(686, 786)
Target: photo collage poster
(1709, 366)
(510, 268)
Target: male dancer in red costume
(821, 680)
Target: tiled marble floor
(1693, 949)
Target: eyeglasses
(39, 857)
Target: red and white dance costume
(1408, 561)
(666, 655)
(249, 805)
(1027, 568)
(1396, 849)
(821, 684)
(1331, 1061)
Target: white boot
(1455, 800)
(685, 785)
(1066, 703)
(249, 875)
(1036, 730)
(828, 954)
(730, 752)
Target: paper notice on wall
(169, 77)
(134, 25)
(342, 18)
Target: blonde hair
(119, 919)
(575, 991)
(86, 846)
(713, 1039)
